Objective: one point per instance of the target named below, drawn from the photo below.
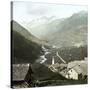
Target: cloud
(27, 11)
(37, 9)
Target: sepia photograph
(49, 44)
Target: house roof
(79, 67)
(19, 71)
(64, 72)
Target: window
(71, 70)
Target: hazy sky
(27, 11)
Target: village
(75, 70)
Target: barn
(21, 75)
(77, 71)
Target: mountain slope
(42, 72)
(25, 47)
(17, 27)
(71, 31)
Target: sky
(28, 11)
(25, 12)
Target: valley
(58, 57)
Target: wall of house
(72, 74)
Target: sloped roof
(79, 67)
(59, 65)
(64, 72)
(19, 71)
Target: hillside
(42, 72)
(24, 32)
(25, 47)
(67, 53)
(71, 31)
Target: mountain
(26, 48)
(71, 31)
(24, 32)
(42, 26)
